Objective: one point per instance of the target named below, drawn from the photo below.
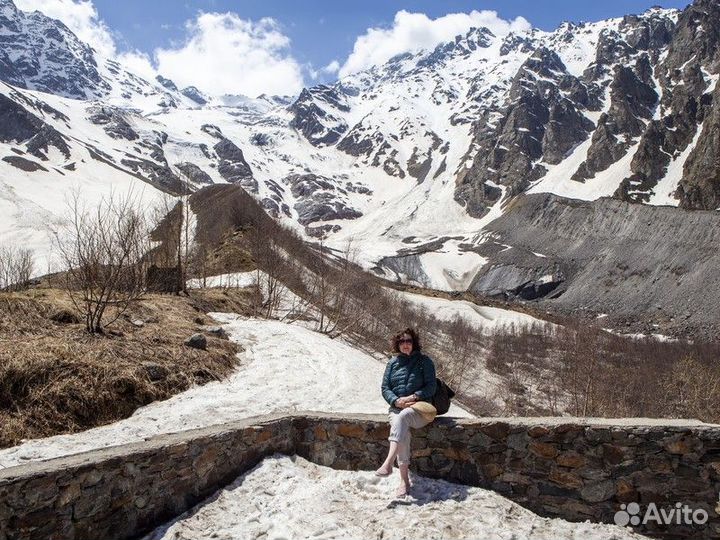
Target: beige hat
(426, 410)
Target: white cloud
(224, 54)
(79, 16)
(415, 31)
(331, 68)
(139, 63)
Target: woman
(408, 386)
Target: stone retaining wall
(126, 490)
(566, 468)
(574, 469)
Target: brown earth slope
(56, 378)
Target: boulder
(197, 341)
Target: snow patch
(290, 497)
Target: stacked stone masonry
(574, 469)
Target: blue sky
(321, 30)
(280, 46)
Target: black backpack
(441, 399)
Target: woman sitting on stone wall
(408, 386)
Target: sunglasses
(405, 340)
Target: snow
(34, 205)
(225, 281)
(290, 497)
(640, 336)
(284, 368)
(450, 268)
(485, 318)
(603, 184)
(664, 192)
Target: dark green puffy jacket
(406, 375)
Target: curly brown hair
(395, 341)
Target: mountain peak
(480, 35)
(8, 9)
(47, 56)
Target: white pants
(401, 420)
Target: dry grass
(56, 378)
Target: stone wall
(126, 490)
(558, 467)
(569, 468)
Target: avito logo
(680, 514)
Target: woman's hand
(407, 401)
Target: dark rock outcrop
(16, 123)
(539, 123)
(19, 125)
(316, 121)
(233, 167)
(194, 173)
(166, 83)
(194, 94)
(692, 51)
(631, 102)
(700, 186)
(24, 164)
(152, 165)
(319, 199)
(113, 122)
(48, 136)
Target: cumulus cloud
(226, 54)
(332, 67)
(221, 53)
(415, 31)
(139, 63)
(79, 16)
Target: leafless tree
(174, 226)
(339, 293)
(103, 253)
(16, 268)
(272, 266)
(463, 349)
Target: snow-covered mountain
(411, 160)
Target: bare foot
(385, 470)
(402, 490)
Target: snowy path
(286, 497)
(284, 368)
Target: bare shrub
(16, 268)
(692, 387)
(103, 255)
(463, 347)
(583, 370)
